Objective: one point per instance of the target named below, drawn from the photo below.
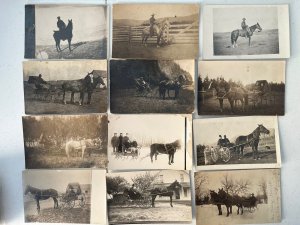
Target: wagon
(127, 200)
(73, 197)
(132, 150)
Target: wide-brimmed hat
(244, 18)
(152, 14)
(58, 17)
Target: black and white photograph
(66, 31)
(65, 87)
(241, 88)
(148, 142)
(237, 142)
(155, 31)
(57, 196)
(158, 196)
(238, 197)
(65, 141)
(152, 86)
(246, 31)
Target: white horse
(75, 145)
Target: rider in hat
(39, 82)
(226, 140)
(60, 24)
(245, 27)
(133, 189)
(152, 22)
(220, 141)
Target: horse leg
(153, 199)
(156, 155)
(81, 98)
(249, 40)
(83, 149)
(219, 209)
(170, 158)
(228, 210)
(231, 105)
(89, 97)
(72, 97)
(171, 201)
(157, 41)
(64, 97)
(221, 104)
(38, 205)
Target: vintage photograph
(249, 31)
(65, 141)
(147, 142)
(65, 87)
(159, 196)
(238, 197)
(152, 86)
(241, 88)
(237, 142)
(155, 31)
(52, 196)
(66, 31)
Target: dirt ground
(161, 213)
(39, 159)
(37, 105)
(82, 50)
(265, 42)
(127, 101)
(211, 106)
(138, 51)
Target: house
(166, 177)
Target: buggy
(73, 196)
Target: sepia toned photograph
(152, 86)
(65, 31)
(52, 196)
(147, 142)
(158, 196)
(237, 142)
(241, 88)
(155, 31)
(238, 197)
(246, 31)
(65, 87)
(65, 141)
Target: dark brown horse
(165, 191)
(42, 194)
(67, 34)
(244, 33)
(81, 86)
(169, 85)
(252, 140)
(168, 149)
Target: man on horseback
(61, 26)
(152, 22)
(220, 141)
(245, 27)
(40, 82)
(226, 141)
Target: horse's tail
(234, 36)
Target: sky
(144, 11)
(265, 16)
(188, 66)
(62, 70)
(56, 179)
(129, 175)
(89, 22)
(245, 71)
(231, 127)
(254, 176)
(166, 128)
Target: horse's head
(32, 79)
(70, 24)
(175, 185)
(222, 193)
(213, 195)
(177, 144)
(262, 129)
(165, 23)
(258, 27)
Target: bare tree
(228, 184)
(143, 181)
(263, 187)
(241, 186)
(200, 181)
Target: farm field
(208, 214)
(33, 105)
(127, 101)
(82, 50)
(265, 42)
(39, 159)
(161, 213)
(211, 106)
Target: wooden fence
(178, 33)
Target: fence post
(129, 34)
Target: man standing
(245, 27)
(114, 142)
(152, 22)
(226, 141)
(89, 82)
(126, 141)
(120, 146)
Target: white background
(12, 108)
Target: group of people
(119, 143)
(223, 142)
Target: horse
(244, 33)
(67, 34)
(168, 85)
(167, 191)
(229, 91)
(159, 29)
(252, 140)
(169, 149)
(73, 145)
(42, 194)
(81, 86)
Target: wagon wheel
(214, 154)
(61, 201)
(225, 154)
(82, 200)
(70, 203)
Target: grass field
(40, 159)
(264, 42)
(127, 101)
(172, 51)
(211, 106)
(34, 105)
(83, 50)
